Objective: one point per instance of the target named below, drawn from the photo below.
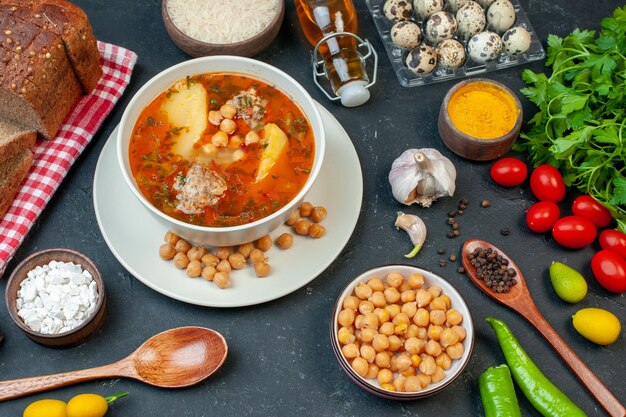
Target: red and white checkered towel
(53, 159)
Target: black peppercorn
(441, 251)
(505, 231)
(485, 203)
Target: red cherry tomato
(547, 184)
(613, 240)
(541, 216)
(574, 232)
(587, 207)
(610, 270)
(509, 172)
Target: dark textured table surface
(280, 360)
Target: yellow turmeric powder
(482, 110)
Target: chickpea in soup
(221, 149)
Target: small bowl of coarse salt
(57, 297)
(218, 27)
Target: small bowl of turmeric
(480, 119)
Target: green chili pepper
(542, 394)
(498, 393)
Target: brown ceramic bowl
(468, 146)
(76, 335)
(248, 47)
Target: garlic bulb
(421, 176)
(415, 227)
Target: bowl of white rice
(222, 27)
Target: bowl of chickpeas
(402, 332)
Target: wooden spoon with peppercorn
(477, 256)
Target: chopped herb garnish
(150, 121)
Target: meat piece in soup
(221, 168)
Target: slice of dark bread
(12, 173)
(14, 139)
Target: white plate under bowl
(134, 236)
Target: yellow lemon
(87, 405)
(46, 408)
(599, 326)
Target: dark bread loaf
(14, 139)
(12, 173)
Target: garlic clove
(415, 228)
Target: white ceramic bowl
(430, 279)
(233, 235)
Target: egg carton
(397, 55)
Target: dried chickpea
(388, 387)
(460, 330)
(366, 307)
(407, 296)
(378, 298)
(401, 318)
(367, 335)
(412, 384)
(421, 317)
(382, 314)
(372, 372)
(346, 317)
(182, 246)
(403, 362)
(215, 117)
(424, 380)
(235, 142)
(262, 269)
(196, 253)
(412, 331)
(359, 321)
(386, 328)
(194, 269)
(363, 291)
(414, 346)
(438, 303)
(455, 351)
(251, 137)
(398, 383)
(351, 302)
(416, 281)
(393, 310)
(171, 238)
(237, 261)
(428, 365)
(228, 126)
(223, 252)
(219, 139)
(394, 279)
(284, 241)
(210, 260)
(416, 360)
(264, 243)
(453, 317)
(437, 317)
(371, 321)
(302, 227)
(434, 291)
(400, 329)
(368, 353)
(448, 337)
(434, 332)
(256, 256)
(360, 366)
(317, 230)
(392, 295)
(422, 333)
(221, 279)
(395, 343)
(380, 343)
(384, 376)
(228, 111)
(350, 351)
(439, 375)
(433, 348)
(224, 266)
(305, 209)
(447, 300)
(383, 359)
(167, 251)
(409, 308)
(294, 216)
(180, 260)
(404, 286)
(377, 284)
(318, 214)
(208, 272)
(423, 297)
(443, 361)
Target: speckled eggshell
(398, 10)
(516, 41)
(450, 54)
(440, 26)
(406, 34)
(425, 8)
(485, 3)
(484, 47)
(454, 5)
(500, 15)
(421, 60)
(470, 19)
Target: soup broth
(221, 149)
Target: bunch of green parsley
(580, 127)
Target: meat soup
(221, 149)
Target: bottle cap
(353, 94)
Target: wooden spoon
(175, 358)
(519, 299)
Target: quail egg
(484, 47)
(406, 34)
(500, 15)
(485, 3)
(471, 20)
(454, 5)
(450, 54)
(421, 60)
(516, 41)
(425, 8)
(440, 26)
(398, 10)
